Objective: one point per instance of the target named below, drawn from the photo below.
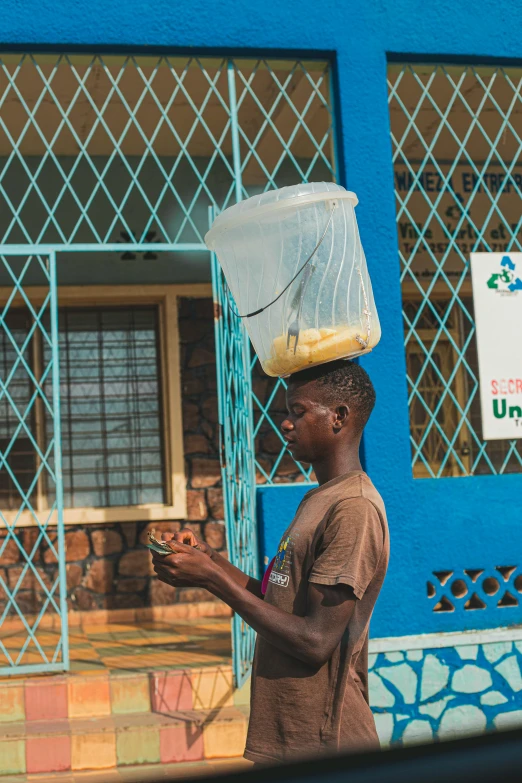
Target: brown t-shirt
(338, 535)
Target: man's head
(328, 407)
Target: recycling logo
(505, 281)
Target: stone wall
(108, 566)
(419, 695)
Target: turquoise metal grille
(34, 638)
(236, 454)
(96, 149)
(110, 145)
(274, 463)
(281, 131)
(126, 154)
(458, 182)
(285, 134)
(284, 124)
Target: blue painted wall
(276, 506)
(444, 524)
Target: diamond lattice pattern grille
(31, 599)
(457, 155)
(237, 457)
(285, 124)
(286, 135)
(103, 149)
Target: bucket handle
(285, 289)
(365, 342)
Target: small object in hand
(161, 547)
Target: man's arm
(238, 577)
(312, 638)
(187, 536)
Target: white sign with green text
(497, 300)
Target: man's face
(309, 425)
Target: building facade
(122, 132)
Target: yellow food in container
(316, 346)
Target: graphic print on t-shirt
(280, 574)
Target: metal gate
(236, 451)
(243, 417)
(127, 157)
(22, 391)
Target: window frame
(165, 297)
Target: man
(309, 680)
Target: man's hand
(187, 566)
(188, 537)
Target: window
(112, 451)
(457, 157)
(22, 457)
(120, 414)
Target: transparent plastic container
(328, 311)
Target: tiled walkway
(140, 646)
(144, 773)
(149, 692)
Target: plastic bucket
(294, 263)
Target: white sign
(497, 299)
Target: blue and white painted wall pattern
(419, 695)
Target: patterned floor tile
(86, 667)
(141, 646)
